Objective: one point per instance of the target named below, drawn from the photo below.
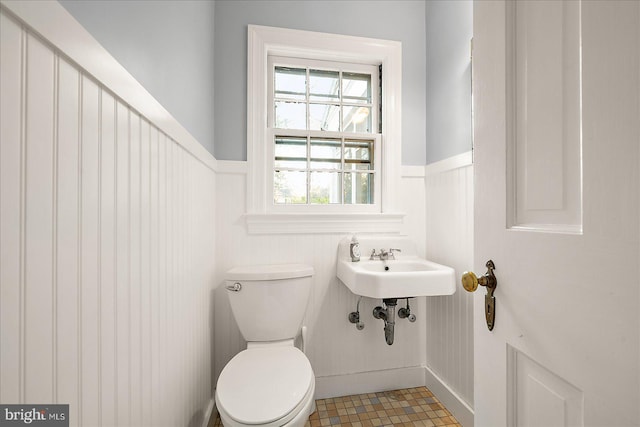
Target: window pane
(325, 148)
(358, 150)
(358, 188)
(289, 187)
(356, 119)
(290, 115)
(324, 117)
(356, 88)
(324, 85)
(291, 147)
(290, 83)
(325, 153)
(325, 188)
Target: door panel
(538, 397)
(568, 297)
(543, 94)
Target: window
(323, 146)
(323, 123)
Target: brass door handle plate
(470, 283)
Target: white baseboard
(209, 412)
(449, 398)
(369, 382)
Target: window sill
(324, 223)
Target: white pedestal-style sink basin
(405, 276)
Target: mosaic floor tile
(407, 407)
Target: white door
(556, 136)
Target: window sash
(345, 137)
(315, 166)
(348, 69)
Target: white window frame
(262, 215)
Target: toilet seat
(265, 386)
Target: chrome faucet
(384, 254)
(381, 256)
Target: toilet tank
(269, 301)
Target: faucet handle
(392, 250)
(373, 254)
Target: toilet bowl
(266, 386)
(271, 383)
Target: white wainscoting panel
(449, 219)
(412, 202)
(334, 346)
(107, 249)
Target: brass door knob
(469, 281)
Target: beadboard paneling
(449, 231)
(38, 221)
(11, 220)
(334, 346)
(107, 248)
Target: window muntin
(322, 122)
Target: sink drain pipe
(387, 314)
(390, 323)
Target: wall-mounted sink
(405, 276)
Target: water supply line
(354, 316)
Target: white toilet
(271, 383)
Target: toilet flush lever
(236, 287)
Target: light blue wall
(167, 46)
(449, 28)
(393, 20)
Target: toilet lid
(262, 385)
(269, 272)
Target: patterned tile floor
(408, 407)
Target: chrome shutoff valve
(405, 313)
(354, 317)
